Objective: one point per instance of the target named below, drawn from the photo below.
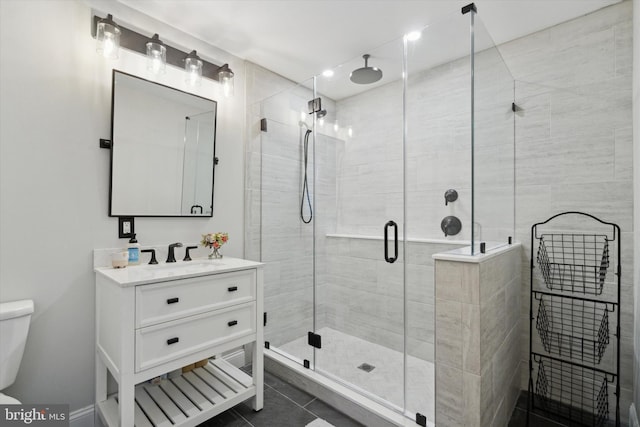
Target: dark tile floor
(538, 418)
(284, 406)
(287, 406)
(519, 416)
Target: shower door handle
(392, 259)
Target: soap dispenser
(134, 251)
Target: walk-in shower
(385, 151)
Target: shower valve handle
(450, 196)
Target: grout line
(310, 402)
(296, 403)
(240, 415)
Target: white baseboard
(633, 416)
(83, 417)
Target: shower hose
(305, 185)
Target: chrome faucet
(171, 257)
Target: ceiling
(301, 38)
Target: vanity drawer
(163, 302)
(162, 343)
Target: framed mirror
(162, 150)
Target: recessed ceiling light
(327, 73)
(413, 36)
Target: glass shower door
(438, 158)
(286, 236)
(359, 205)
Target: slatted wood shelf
(187, 400)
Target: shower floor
(342, 354)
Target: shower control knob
(450, 226)
(450, 196)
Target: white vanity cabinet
(151, 320)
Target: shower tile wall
(438, 154)
(573, 150)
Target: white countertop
(142, 274)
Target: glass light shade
(156, 56)
(108, 38)
(225, 77)
(193, 68)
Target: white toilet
(15, 317)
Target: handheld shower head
(302, 123)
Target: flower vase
(215, 253)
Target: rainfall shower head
(366, 75)
(320, 114)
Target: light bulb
(108, 38)
(193, 68)
(156, 55)
(225, 77)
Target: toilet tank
(15, 317)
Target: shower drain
(366, 367)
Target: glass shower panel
(494, 144)
(359, 197)
(438, 159)
(197, 167)
(286, 239)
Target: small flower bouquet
(214, 241)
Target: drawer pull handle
(232, 323)
(173, 300)
(233, 288)
(172, 340)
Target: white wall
(54, 181)
(636, 180)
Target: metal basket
(574, 392)
(574, 262)
(573, 328)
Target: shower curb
(360, 408)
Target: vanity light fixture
(193, 68)
(156, 55)
(107, 37)
(225, 77)
(110, 36)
